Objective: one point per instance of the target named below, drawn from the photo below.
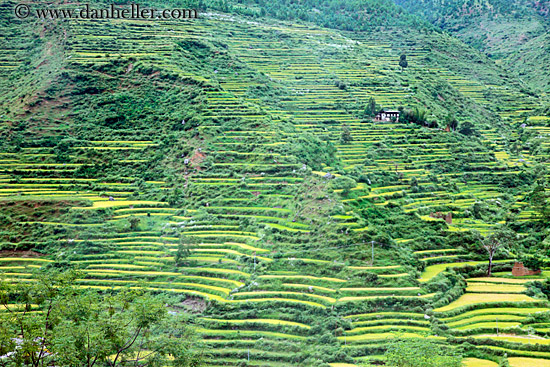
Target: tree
(183, 252)
(496, 241)
(403, 62)
(371, 108)
(416, 116)
(343, 183)
(346, 137)
(25, 334)
(538, 198)
(73, 327)
(532, 262)
(451, 122)
(62, 150)
(176, 198)
(467, 129)
(491, 245)
(134, 223)
(340, 84)
(420, 353)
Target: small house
(388, 115)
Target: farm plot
(489, 307)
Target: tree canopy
(51, 322)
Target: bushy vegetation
(513, 32)
(58, 324)
(422, 353)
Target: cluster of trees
(50, 322)
(539, 199)
(419, 116)
(416, 116)
(371, 109)
(346, 137)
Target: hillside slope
(229, 162)
(515, 33)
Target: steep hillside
(231, 162)
(532, 61)
(455, 12)
(515, 33)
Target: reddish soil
(15, 253)
(197, 159)
(44, 62)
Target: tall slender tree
(403, 62)
(371, 108)
(497, 241)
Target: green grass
(499, 280)
(476, 362)
(258, 321)
(470, 299)
(245, 333)
(523, 339)
(433, 270)
(489, 325)
(119, 203)
(476, 319)
(378, 315)
(384, 336)
(303, 277)
(386, 327)
(263, 294)
(478, 287)
(494, 312)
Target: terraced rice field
(251, 247)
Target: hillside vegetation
(232, 164)
(515, 33)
